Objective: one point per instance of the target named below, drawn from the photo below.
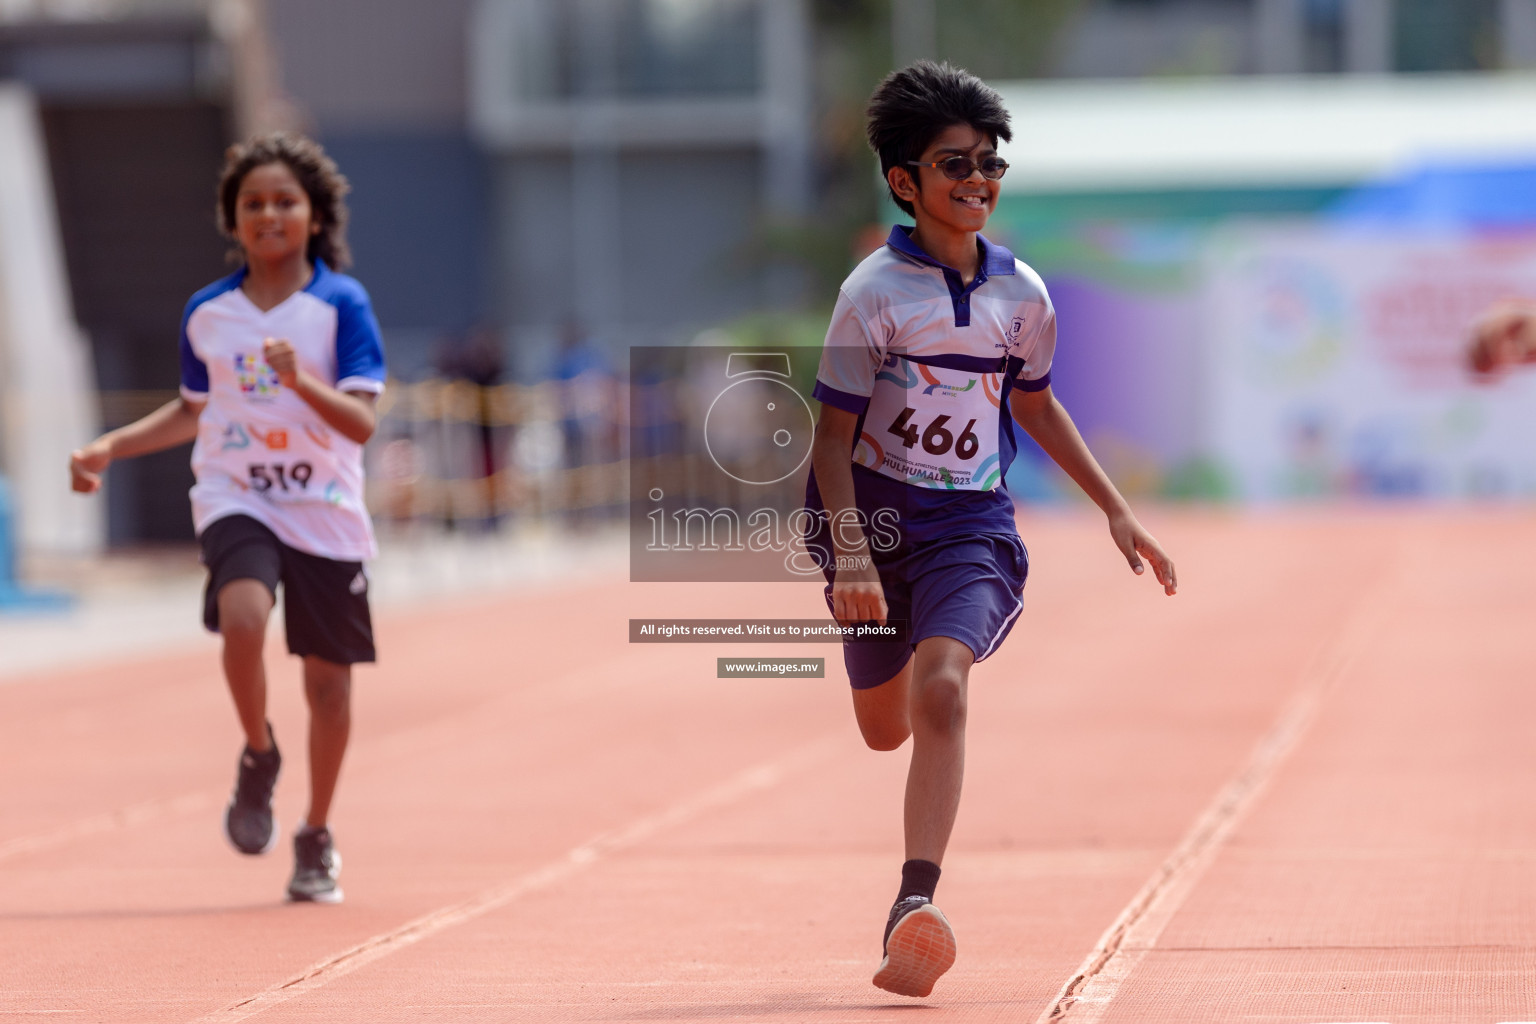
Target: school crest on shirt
(1011, 335)
(255, 377)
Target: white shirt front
(261, 450)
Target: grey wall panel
(1159, 37)
(536, 257)
(373, 63)
(419, 232)
(688, 224)
(678, 257)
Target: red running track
(1301, 791)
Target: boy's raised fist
(278, 354)
(86, 466)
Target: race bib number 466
(933, 427)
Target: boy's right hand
(86, 466)
(857, 596)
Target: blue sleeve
(194, 372)
(359, 344)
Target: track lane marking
(756, 779)
(1086, 995)
(150, 811)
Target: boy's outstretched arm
(856, 592)
(172, 424)
(1047, 422)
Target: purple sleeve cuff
(1039, 384)
(839, 399)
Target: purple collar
(995, 258)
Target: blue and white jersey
(261, 450)
(928, 364)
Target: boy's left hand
(1135, 543)
(278, 353)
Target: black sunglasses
(958, 168)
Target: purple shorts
(970, 588)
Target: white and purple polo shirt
(928, 363)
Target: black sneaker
(315, 867)
(919, 947)
(248, 821)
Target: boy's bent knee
(882, 711)
(243, 627)
(244, 607)
(885, 736)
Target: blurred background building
(1264, 222)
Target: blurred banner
(1267, 360)
(1265, 285)
(1336, 363)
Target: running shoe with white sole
(316, 865)
(248, 820)
(919, 947)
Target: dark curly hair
(317, 174)
(912, 106)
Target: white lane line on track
(1085, 997)
(126, 817)
(151, 811)
(754, 780)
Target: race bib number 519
(267, 476)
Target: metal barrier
(455, 453)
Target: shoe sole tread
(921, 948)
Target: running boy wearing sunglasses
(935, 340)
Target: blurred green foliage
(1198, 478)
(996, 39)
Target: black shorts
(325, 602)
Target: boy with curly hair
(281, 364)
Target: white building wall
(47, 404)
